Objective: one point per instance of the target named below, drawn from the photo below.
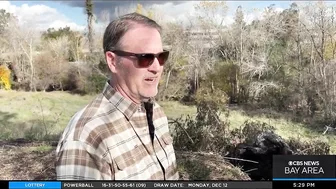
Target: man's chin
(146, 96)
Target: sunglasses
(145, 59)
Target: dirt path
(22, 161)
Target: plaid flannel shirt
(109, 140)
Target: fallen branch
(178, 124)
(241, 160)
(328, 128)
(251, 170)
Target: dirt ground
(22, 160)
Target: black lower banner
(133, 184)
(279, 184)
(138, 184)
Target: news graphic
(304, 171)
(289, 171)
(138, 184)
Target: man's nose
(155, 67)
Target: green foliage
(223, 80)
(99, 73)
(207, 132)
(42, 148)
(279, 98)
(223, 76)
(330, 50)
(96, 83)
(208, 95)
(36, 132)
(52, 33)
(84, 79)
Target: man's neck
(124, 93)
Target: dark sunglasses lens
(146, 60)
(163, 57)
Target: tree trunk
(33, 87)
(89, 12)
(90, 33)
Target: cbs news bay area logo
(304, 167)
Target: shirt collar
(124, 105)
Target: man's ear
(111, 60)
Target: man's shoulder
(92, 120)
(99, 109)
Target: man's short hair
(117, 29)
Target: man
(123, 134)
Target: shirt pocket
(167, 139)
(124, 161)
(169, 150)
(168, 147)
(128, 165)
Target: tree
(90, 17)
(204, 35)
(52, 64)
(144, 11)
(239, 27)
(4, 20)
(318, 23)
(139, 8)
(75, 40)
(21, 43)
(173, 81)
(8, 21)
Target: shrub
(314, 147)
(251, 129)
(209, 96)
(5, 77)
(52, 66)
(84, 78)
(96, 83)
(207, 132)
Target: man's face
(134, 82)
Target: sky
(47, 14)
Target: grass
(31, 115)
(41, 149)
(21, 115)
(175, 109)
